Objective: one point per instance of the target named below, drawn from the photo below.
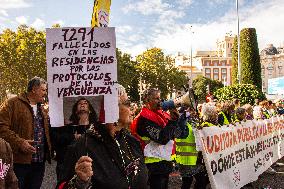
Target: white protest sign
(154, 149)
(81, 62)
(237, 155)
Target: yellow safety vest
(186, 153)
(236, 120)
(150, 159)
(207, 123)
(226, 121)
(266, 114)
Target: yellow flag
(101, 12)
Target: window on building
(270, 66)
(280, 66)
(262, 71)
(216, 73)
(224, 77)
(216, 77)
(270, 69)
(224, 74)
(206, 63)
(263, 83)
(208, 73)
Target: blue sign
(276, 86)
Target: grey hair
(148, 93)
(247, 107)
(35, 82)
(122, 96)
(121, 90)
(208, 111)
(240, 110)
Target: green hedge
(200, 84)
(250, 60)
(246, 93)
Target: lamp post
(191, 34)
(239, 61)
(140, 90)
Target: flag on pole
(101, 12)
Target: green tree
(158, 70)
(235, 61)
(22, 56)
(246, 93)
(250, 60)
(127, 74)
(200, 84)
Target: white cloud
(123, 29)
(167, 33)
(3, 13)
(60, 22)
(12, 4)
(38, 24)
(135, 50)
(216, 1)
(266, 18)
(22, 20)
(167, 14)
(147, 7)
(185, 3)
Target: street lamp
(239, 62)
(140, 90)
(191, 34)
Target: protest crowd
(140, 150)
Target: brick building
(215, 65)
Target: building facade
(183, 62)
(272, 64)
(215, 65)
(217, 69)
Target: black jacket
(62, 137)
(108, 165)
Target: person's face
(155, 101)
(214, 117)
(83, 106)
(242, 116)
(40, 93)
(125, 117)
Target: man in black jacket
(156, 130)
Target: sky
(172, 25)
